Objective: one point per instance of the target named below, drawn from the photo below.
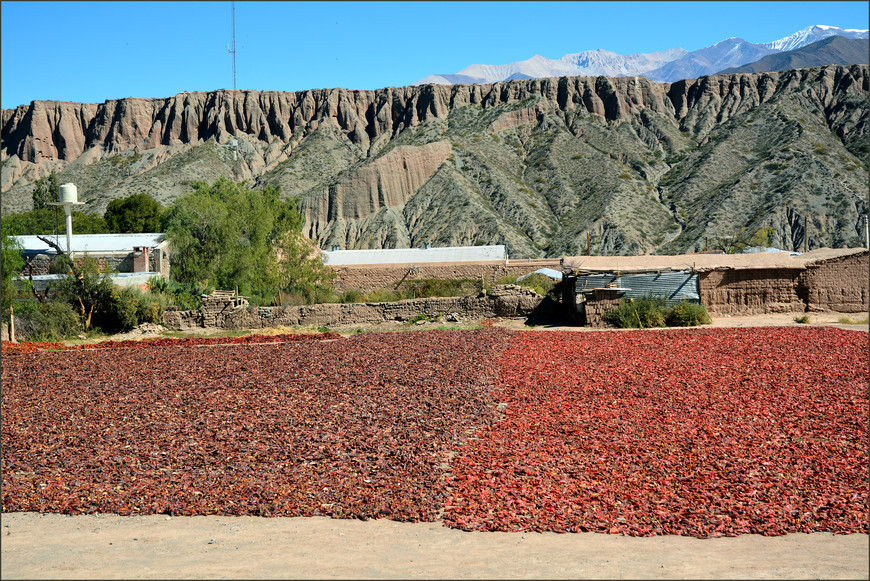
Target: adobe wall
(504, 301)
(750, 291)
(370, 277)
(837, 284)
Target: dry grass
(847, 320)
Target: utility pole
(233, 50)
(806, 234)
(866, 232)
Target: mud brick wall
(750, 291)
(182, 320)
(505, 301)
(367, 278)
(839, 284)
(593, 309)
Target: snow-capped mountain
(812, 34)
(663, 66)
(709, 60)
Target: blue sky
(94, 51)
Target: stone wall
(370, 277)
(226, 312)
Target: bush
(802, 320)
(185, 296)
(119, 312)
(50, 321)
(652, 311)
(151, 307)
(686, 314)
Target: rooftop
(705, 261)
(95, 243)
(414, 255)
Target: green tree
(85, 287)
(46, 190)
(133, 214)
(222, 235)
(51, 220)
(296, 269)
(12, 265)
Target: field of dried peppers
(702, 432)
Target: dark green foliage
(133, 214)
(653, 311)
(46, 190)
(11, 266)
(49, 321)
(88, 290)
(222, 235)
(185, 296)
(119, 312)
(639, 313)
(52, 220)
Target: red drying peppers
(703, 432)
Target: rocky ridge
(542, 165)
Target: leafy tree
(52, 220)
(46, 190)
(133, 214)
(11, 267)
(295, 268)
(222, 235)
(85, 287)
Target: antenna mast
(233, 50)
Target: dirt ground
(50, 546)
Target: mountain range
(539, 165)
(665, 66)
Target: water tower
(69, 197)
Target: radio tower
(233, 50)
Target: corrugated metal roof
(414, 255)
(94, 243)
(674, 286)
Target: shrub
(638, 313)
(50, 321)
(119, 312)
(151, 307)
(686, 314)
(652, 311)
(802, 320)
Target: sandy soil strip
(52, 546)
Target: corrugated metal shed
(93, 243)
(674, 286)
(415, 255)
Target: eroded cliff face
(539, 163)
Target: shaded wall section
(370, 277)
